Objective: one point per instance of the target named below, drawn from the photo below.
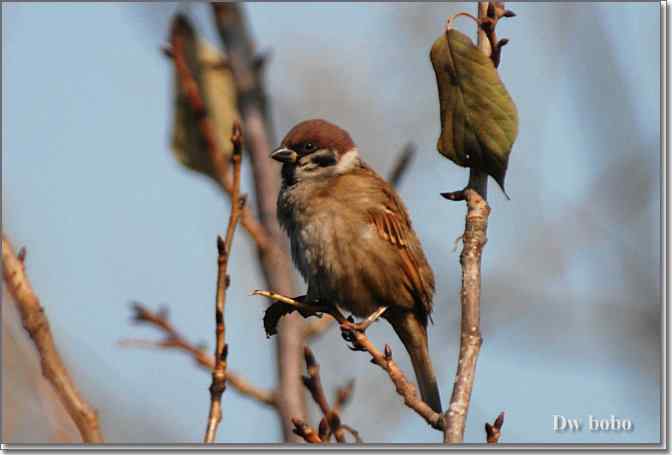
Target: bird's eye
(309, 147)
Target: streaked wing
(392, 224)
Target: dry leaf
(273, 314)
(213, 76)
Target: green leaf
(479, 121)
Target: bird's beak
(284, 155)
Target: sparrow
(352, 241)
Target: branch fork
(330, 424)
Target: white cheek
(348, 161)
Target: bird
(352, 240)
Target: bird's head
(316, 149)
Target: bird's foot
(349, 326)
(361, 326)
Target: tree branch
(174, 340)
(313, 381)
(474, 239)
(36, 324)
(223, 253)
(276, 264)
(403, 386)
(360, 342)
(470, 335)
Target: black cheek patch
(324, 159)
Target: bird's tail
(413, 334)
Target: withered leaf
(277, 310)
(208, 68)
(273, 314)
(479, 121)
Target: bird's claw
(349, 327)
(349, 336)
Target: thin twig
(331, 421)
(313, 381)
(343, 395)
(174, 340)
(360, 342)
(451, 19)
(353, 432)
(197, 102)
(35, 322)
(276, 265)
(223, 254)
(489, 14)
(473, 240)
(403, 386)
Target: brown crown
(320, 133)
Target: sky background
(571, 280)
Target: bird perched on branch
(352, 240)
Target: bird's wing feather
(392, 224)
